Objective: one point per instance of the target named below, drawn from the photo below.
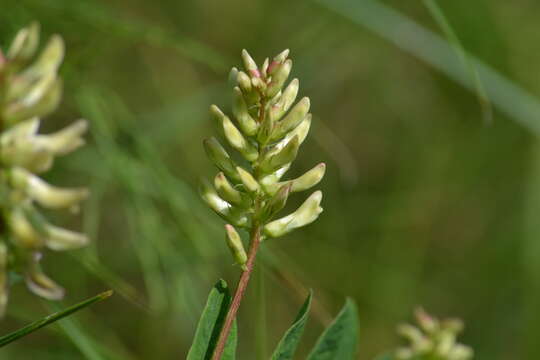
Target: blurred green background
(432, 192)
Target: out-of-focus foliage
(425, 202)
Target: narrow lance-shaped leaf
(287, 346)
(340, 339)
(210, 324)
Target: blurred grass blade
(210, 325)
(79, 338)
(288, 344)
(114, 23)
(385, 356)
(340, 339)
(30, 328)
(413, 38)
(453, 40)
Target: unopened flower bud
(301, 132)
(46, 195)
(60, 239)
(427, 322)
(240, 111)
(25, 235)
(304, 215)
(50, 58)
(460, 352)
(47, 103)
(292, 119)
(66, 140)
(249, 64)
(226, 191)
(244, 82)
(264, 67)
(304, 182)
(234, 136)
(233, 75)
(278, 59)
(234, 242)
(258, 84)
(285, 101)
(279, 77)
(284, 156)
(39, 283)
(276, 203)
(25, 44)
(220, 206)
(217, 154)
(248, 180)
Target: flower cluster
(267, 130)
(433, 340)
(30, 89)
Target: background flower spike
(31, 89)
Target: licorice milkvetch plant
(432, 340)
(30, 88)
(266, 128)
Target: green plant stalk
(240, 291)
(36, 325)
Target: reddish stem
(239, 294)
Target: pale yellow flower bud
(45, 194)
(234, 136)
(304, 215)
(234, 242)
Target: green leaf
(210, 325)
(339, 340)
(287, 346)
(6, 339)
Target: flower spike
(31, 89)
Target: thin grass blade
(36, 325)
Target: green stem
(239, 294)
